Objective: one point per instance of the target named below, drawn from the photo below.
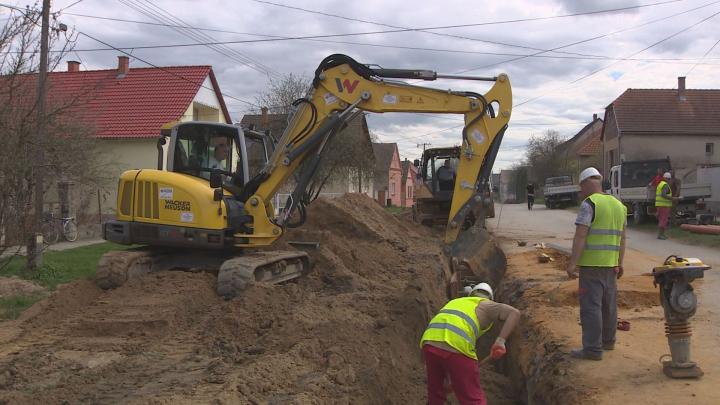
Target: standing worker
(598, 249)
(448, 344)
(530, 195)
(663, 204)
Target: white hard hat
(481, 287)
(667, 175)
(589, 172)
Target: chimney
(264, 119)
(123, 66)
(594, 117)
(73, 66)
(681, 88)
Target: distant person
(530, 195)
(663, 204)
(448, 344)
(598, 250)
(658, 178)
(446, 176)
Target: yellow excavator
(208, 205)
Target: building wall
(711, 175)
(395, 181)
(686, 151)
(408, 187)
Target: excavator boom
(193, 204)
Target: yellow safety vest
(602, 246)
(457, 325)
(661, 201)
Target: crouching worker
(448, 344)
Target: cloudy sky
(583, 55)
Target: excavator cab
(200, 148)
(434, 195)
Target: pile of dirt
(14, 286)
(346, 333)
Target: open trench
(347, 333)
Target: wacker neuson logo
(177, 205)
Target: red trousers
(463, 373)
(663, 215)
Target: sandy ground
(345, 334)
(631, 372)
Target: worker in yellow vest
(598, 250)
(663, 204)
(448, 344)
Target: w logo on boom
(346, 84)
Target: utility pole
(35, 245)
(424, 145)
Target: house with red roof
(388, 174)
(407, 188)
(584, 149)
(683, 124)
(125, 108)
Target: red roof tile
(593, 147)
(656, 110)
(134, 106)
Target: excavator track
(267, 266)
(234, 272)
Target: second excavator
(208, 205)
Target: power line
(67, 7)
(614, 63)
(428, 29)
(706, 54)
(274, 38)
(167, 71)
(158, 14)
(316, 39)
(538, 54)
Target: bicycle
(53, 226)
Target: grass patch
(12, 307)
(395, 210)
(60, 266)
(675, 233)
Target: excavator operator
(446, 176)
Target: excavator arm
(343, 88)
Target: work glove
(498, 348)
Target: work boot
(582, 354)
(608, 346)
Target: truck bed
(690, 191)
(573, 188)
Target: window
(709, 148)
(392, 187)
(409, 192)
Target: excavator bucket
(475, 257)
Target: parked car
(629, 183)
(560, 191)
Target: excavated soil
(346, 333)
(12, 286)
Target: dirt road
(631, 372)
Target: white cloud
(559, 104)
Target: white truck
(630, 183)
(560, 190)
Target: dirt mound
(346, 333)
(12, 286)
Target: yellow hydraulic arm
(343, 88)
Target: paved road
(515, 221)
